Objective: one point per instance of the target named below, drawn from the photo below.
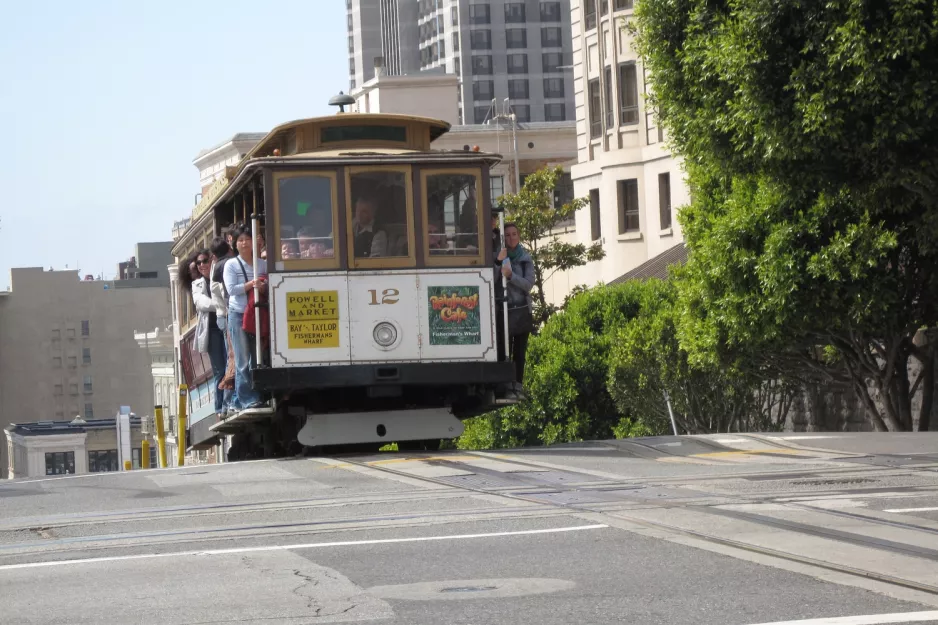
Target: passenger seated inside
(312, 246)
(289, 250)
(370, 241)
(437, 239)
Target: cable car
(381, 284)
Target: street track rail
(855, 539)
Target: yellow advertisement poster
(313, 319)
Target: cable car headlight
(385, 334)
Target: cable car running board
(376, 427)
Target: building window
(102, 461)
(440, 25)
(454, 16)
(481, 39)
(60, 463)
(89, 411)
(664, 200)
(517, 63)
(88, 385)
(72, 362)
(57, 362)
(628, 206)
(483, 90)
(481, 113)
(514, 13)
(628, 94)
(496, 187)
(70, 333)
(56, 334)
(479, 14)
(603, 7)
(553, 87)
(555, 112)
(482, 65)
(522, 112)
(610, 106)
(550, 11)
(596, 119)
(589, 10)
(516, 38)
(552, 62)
(351, 44)
(623, 5)
(147, 275)
(551, 37)
(351, 65)
(59, 389)
(518, 89)
(455, 42)
(86, 356)
(596, 231)
(73, 388)
(563, 190)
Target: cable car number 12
(388, 296)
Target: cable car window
(305, 217)
(334, 134)
(379, 214)
(453, 205)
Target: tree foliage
(809, 132)
(648, 368)
(601, 368)
(532, 210)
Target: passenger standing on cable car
(239, 280)
(209, 338)
(518, 268)
(221, 253)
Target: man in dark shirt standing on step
(370, 241)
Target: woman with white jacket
(209, 339)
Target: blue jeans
(218, 355)
(244, 360)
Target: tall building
(67, 347)
(500, 50)
(381, 33)
(633, 183)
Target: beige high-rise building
(67, 346)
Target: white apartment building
(633, 184)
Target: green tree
(532, 210)
(809, 132)
(648, 366)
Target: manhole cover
(469, 589)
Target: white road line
(870, 619)
(344, 543)
(931, 509)
(803, 438)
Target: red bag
(249, 322)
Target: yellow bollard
(160, 436)
(145, 453)
(181, 433)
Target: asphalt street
(836, 529)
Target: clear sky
(104, 104)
